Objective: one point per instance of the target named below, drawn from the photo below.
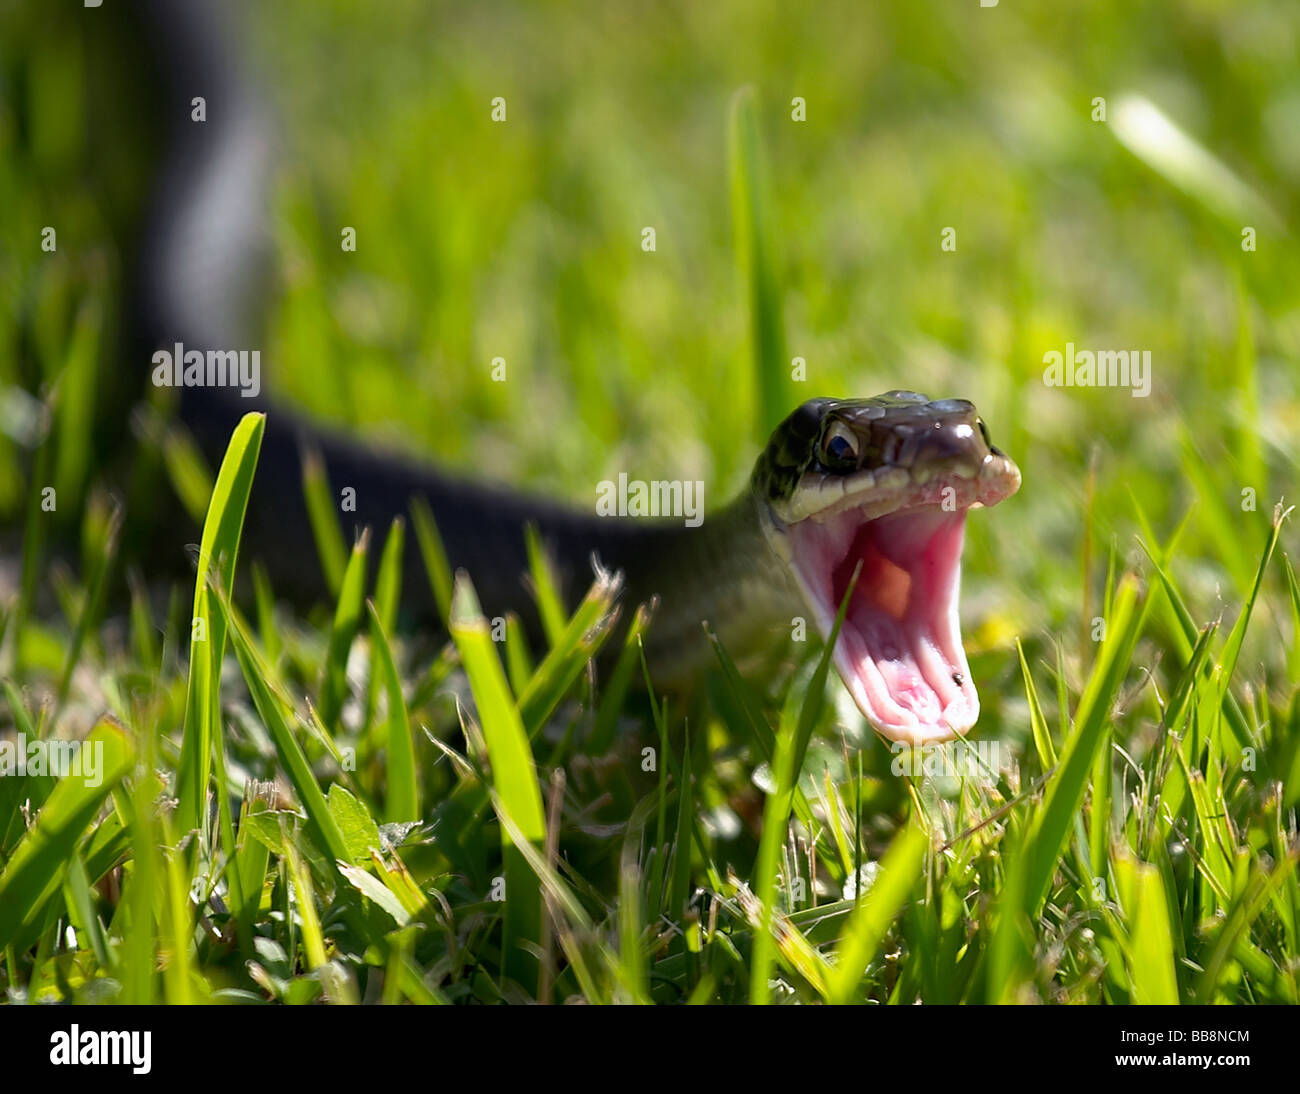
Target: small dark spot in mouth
(959, 679)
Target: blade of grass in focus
(217, 554)
(513, 776)
(787, 763)
(1066, 787)
(875, 912)
(34, 869)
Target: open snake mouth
(899, 649)
(899, 526)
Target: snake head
(880, 487)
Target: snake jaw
(899, 649)
(900, 528)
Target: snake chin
(899, 650)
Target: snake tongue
(899, 650)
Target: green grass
(332, 810)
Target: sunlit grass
(1137, 841)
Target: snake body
(817, 511)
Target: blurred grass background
(522, 240)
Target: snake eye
(838, 450)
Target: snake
(856, 504)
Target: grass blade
(347, 619)
(434, 554)
(35, 869)
(513, 776)
(217, 554)
(323, 514)
(875, 912)
(1150, 946)
(257, 674)
(791, 745)
(756, 253)
(1066, 787)
(403, 802)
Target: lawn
(330, 806)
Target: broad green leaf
(360, 832)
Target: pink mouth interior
(899, 649)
